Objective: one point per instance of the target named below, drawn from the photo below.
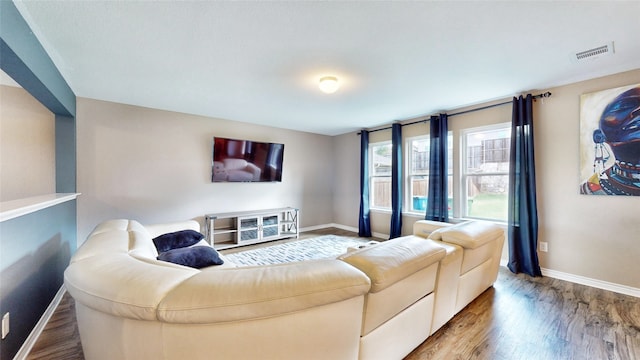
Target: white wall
(27, 146)
(155, 166)
(596, 237)
(346, 192)
(348, 166)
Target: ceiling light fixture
(329, 84)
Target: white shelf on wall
(227, 230)
(20, 207)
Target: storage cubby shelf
(232, 229)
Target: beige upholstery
(131, 306)
(447, 285)
(424, 228)
(378, 302)
(470, 266)
(397, 313)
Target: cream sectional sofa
(379, 302)
(470, 267)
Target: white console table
(227, 230)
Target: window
(485, 172)
(418, 172)
(380, 175)
(478, 174)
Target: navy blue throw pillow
(176, 240)
(195, 257)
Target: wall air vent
(594, 53)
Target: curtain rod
(543, 95)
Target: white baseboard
(343, 227)
(582, 280)
(28, 344)
(316, 227)
(604, 285)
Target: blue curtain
(395, 229)
(437, 196)
(364, 223)
(523, 212)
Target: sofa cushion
(391, 261)
(176, 240)
(195, 257)
(254, 292)
(472, 234)
(425, 228)
(436, 234)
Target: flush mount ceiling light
(329, 84)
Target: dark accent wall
(34, 252)
(36, 248)
(25, 60)
(65, 154)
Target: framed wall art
(610, 142)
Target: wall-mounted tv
(246, 161)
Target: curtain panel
(364, 222)
(523, 211)
(395, 229)
(437, 195)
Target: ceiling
(259, 62)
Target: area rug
(322, 247)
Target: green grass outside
(491, 206)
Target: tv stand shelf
(232, 229)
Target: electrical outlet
(544, 246)
(5, 325)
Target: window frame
(463, 197)
(373, 176)
(409, 175)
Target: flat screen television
(246, 161)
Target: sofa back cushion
(141, 245)
(471, 234)
(107, 238)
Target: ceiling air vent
(594, 53)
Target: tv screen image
(246, 161)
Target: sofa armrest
(391, 261)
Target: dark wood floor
(539, 318)
(518, 318)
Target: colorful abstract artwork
(610, 142)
